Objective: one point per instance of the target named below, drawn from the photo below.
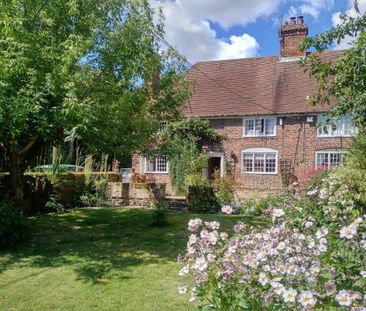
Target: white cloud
(187, 24)
(188, 29)
(238, 46)
(310, 7)
(348, 41)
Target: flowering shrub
(312, 257)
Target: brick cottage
(261, 107)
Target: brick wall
(292, 35)
(295, 141)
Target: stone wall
(136, 194)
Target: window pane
(335, 159)
(163, 125)
(259, 162)
(270, 162)
(150, 165)
(337, 128)
(269, 126)
(259, 126)
(249, 127)
(349, 129)
(161, 164)
(322, 160)
(247, 162)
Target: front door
(214, 165)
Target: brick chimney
(291, 34)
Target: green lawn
(98, 259)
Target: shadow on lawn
(101, 244)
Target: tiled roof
(251, 86)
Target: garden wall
(135, 194)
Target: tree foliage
(184, 143)
(344, 79)
(82, 69)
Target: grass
(98, 259)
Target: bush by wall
(45, 193)
(14, 227)
(202, 199)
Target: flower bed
(312, 257)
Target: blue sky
(225, 29)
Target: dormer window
(254, 127)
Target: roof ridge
(260, 57)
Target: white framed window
(329, 158)
(162, 126)
(259, 161)
(158, 164)
(253, 127)
(342, 127)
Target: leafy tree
(82, 69)
(184, 143)
(344, 79)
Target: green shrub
(160, 215)
(53, 205)
(202, 199)
(259, 207)
(225, 195)
(14, 227)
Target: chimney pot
(293, 21)
(300, 20)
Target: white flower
(306, 298)
(211, 257)
(363, 273)
(223, 236)
(322, 232)
(200, 264)
(182, 290)
(277, 287)
(214, 225)
(262, 279)
(312, 192)
(194, 224)
(289, 295)
(322, 248)
(227, 209)
(278, 212)
(212, 237)
(348, 232)
(357, 221)
(238, 227)
(184, 270)
(192, 239)
(229, 256)
(191, 250)
(344, 298)
(281, 245)
(308, 224)
(315, 271)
